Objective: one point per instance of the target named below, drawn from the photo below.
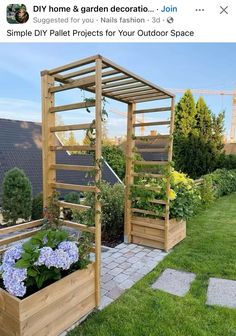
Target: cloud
(20, 109)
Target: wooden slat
(116, 91)
(73, 65)
(147, 224)
(77, 148)
(20, 227)
(152, 150)
(78, 226)
(70, 107)
(78, 207)
(149, 163)
(144, 100)
(158, 109)
(142, 235)
(76, 127)
(154, 123)
(109, 73)
(6, 241)
(72, 167)
(145, 212)
(67, 186)
(117, 84)
(140, 174)
(154, 201)
(123, 91)
(114, 79)
(136, 77)
(82, 72)
(138, 93)
(78, 83)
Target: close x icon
(224, 10)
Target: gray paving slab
(174, 282)
(221, 292)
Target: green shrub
(115, 157)
(37, 207)
(224, 182)
(72, 197)
(17, 196)
(226, 161)
(184, 196)
(112, 201)
(207, 191)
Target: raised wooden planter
(51, 310)
(151, 232)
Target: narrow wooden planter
(151, 232)
(51, 310)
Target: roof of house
(21, 146)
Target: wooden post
(48, 121)
(98, 155)
(168, 185)
(129, 171)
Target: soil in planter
(112, 241)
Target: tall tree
(185, 115)
(203, 120)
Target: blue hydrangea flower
(13, 279)
(45, 257)
(11, 255)
(71, 248)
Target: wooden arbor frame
(103, 78)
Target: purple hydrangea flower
(45, 257)
(13, 279)
(11, 255)
(71, 248)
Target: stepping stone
(221, 292)
(174, 282)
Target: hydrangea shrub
(41, 260)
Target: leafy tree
(17, 196)
(185, 115)
(115, 157)
(198, 137)
(203, 120)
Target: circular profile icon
(22, 16)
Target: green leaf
(22, 263)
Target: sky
(170, 65)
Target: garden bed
(51, 310)
(151, 232)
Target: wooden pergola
(103, 78)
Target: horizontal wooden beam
(66, 186)
(161, 202)
(116, 91)
(82, 72)
(151, 163)
(131, 91)
(77, 127)
(75, 148)
(158, 109)
(145, 236)
(140, 174)
(137, 94)
(20, 227)
(109, 73)
(73, 65)
(141, 221)
(78, 226)
(114, 79)
(144, 212)
(117, 84)
(155, 123)
(72, 167)
(150, 95)
(78, 83)
(151, 188)
(70, 107)
(144, 100)
(152, 150)
(78, 207)
(20, 236)
(152, 137)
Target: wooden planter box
(51, 310)
(151, 232)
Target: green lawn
(209, 251)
